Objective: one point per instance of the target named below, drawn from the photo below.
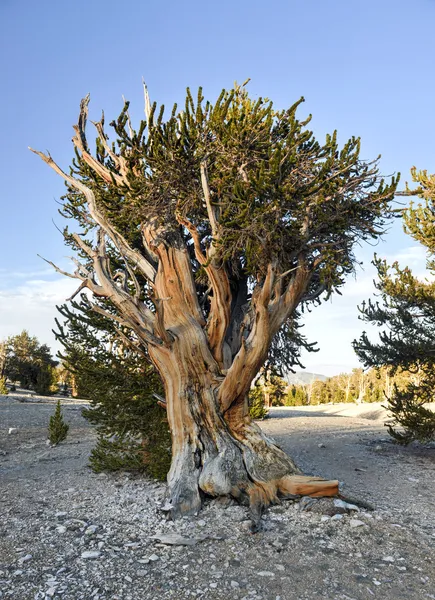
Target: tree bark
(217, 449)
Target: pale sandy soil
(54, 510)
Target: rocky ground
(70, 534)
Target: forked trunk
(222, 454)
(216, 447)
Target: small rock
(26, 558)
(324, 518)
(12, 430)
(337, 517)
(213, 585)
(321, 446)
(153, 557)
(61, 529)
(173, 539)
(91, 529)
(235, 584)
(50, 592)
(342, 504)
(265, 574)
(91, 554)
(389, 559)
(356, 523)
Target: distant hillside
(303, 377)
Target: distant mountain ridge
(303, 377)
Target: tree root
(263, 495)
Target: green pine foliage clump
(57, 428)
(406, 314)
(256, 401)
(123, 391)
(3, 388)
(296, 396)
(23, 359)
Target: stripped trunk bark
(216, 448)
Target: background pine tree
(57, 428)
(406, 312)
(257, 399)
(3, 389)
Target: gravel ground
(67, 533)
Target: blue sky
(365, 68)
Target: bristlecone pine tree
(407, 312)
(206, 234)
(57, 428)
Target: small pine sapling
(57, 428)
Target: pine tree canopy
(406, 309)
(406, 314)
(244, 188)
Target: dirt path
(68, 533)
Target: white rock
(61, 529)
(91, 554)
(356, 523)
(389, 559)
(324, 518)
(50, 592)
(213, 585)
(26, 558)
(337, 517)
(153, 557)
(12, 430)
(266, 574)
(341, 504)
(173, 539)
(235, 584)
(91, 529)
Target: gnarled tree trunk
(216, 447)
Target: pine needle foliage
(406, 314)
(121, 388)
(57, 428)
(256, 400)
(3, 387)
(281, 198)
